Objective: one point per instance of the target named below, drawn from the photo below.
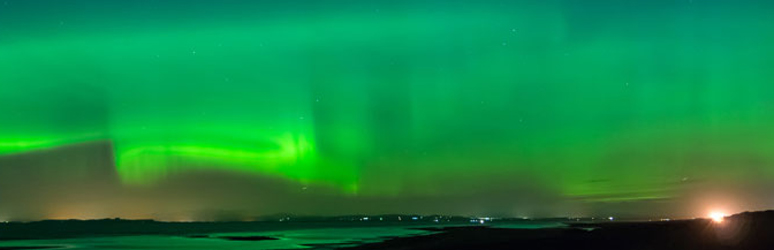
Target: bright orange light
(717, 217)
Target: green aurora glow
(602, 101)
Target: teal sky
(539, 108)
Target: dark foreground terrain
(749, 231)
(742, 231)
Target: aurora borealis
(652, 108)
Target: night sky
(212, 110)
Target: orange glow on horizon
(717, 217)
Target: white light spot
(717, 217)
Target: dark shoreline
(752, 230)
(743, 231)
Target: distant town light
(610, 218)
(717, 217)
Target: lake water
(318, 238)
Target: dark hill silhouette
(749, 230)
